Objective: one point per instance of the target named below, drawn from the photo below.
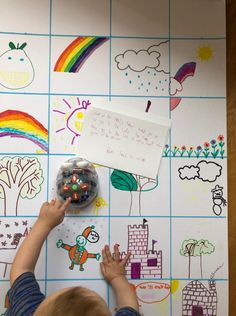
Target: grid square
(182, 302)
(19, 19)
(150, 199)
(190, 18)
(140, 67)
(27, 178)
(149, 18)
(81, 17)
(150, 240)
(24, 69)
(13, 233)
(66, 121)
(60, 259)
(91, 78)
(31, 138)
(193, 113)
(195, 65)
(197, 198)
(214, 253)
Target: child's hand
(53, 213)
(113, 267)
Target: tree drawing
(187, 250)
(203, 247)
(20, 177)
(196, 248)
(125, 181)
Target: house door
(135, 270)
(197, 311)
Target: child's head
(73, 301)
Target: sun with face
(68, 120)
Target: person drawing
(25, 297)
(78, 253)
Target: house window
(152, 262)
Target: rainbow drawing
(75, 54)
(185, 71)
(22, 125)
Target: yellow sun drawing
(205, 53)
(68, 115)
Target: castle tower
(138, 239)
(143, 263)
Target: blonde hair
(76, 301)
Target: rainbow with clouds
(75, 54)
(19, 124)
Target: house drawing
(143, 263)
(197, 300)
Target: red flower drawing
(220, 138)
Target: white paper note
(124, 142)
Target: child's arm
(113, 270)
(51, 214)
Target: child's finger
(104, 256)
(44, 204)
(126, 259)
(53, 201)
(102, 267)
(108, 254)
(65, 204)
(116, 253)
(58, 203)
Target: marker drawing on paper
(143, 262)
(77, 253)
(16, 68)
(20, 178)
(196, 248)
(75, 54)
(18, 124)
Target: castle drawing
(143, 263)
(197, 300)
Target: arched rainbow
(20, 124)
(73, 57)
(185, 71)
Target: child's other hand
(53, 213)
(113, 267)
